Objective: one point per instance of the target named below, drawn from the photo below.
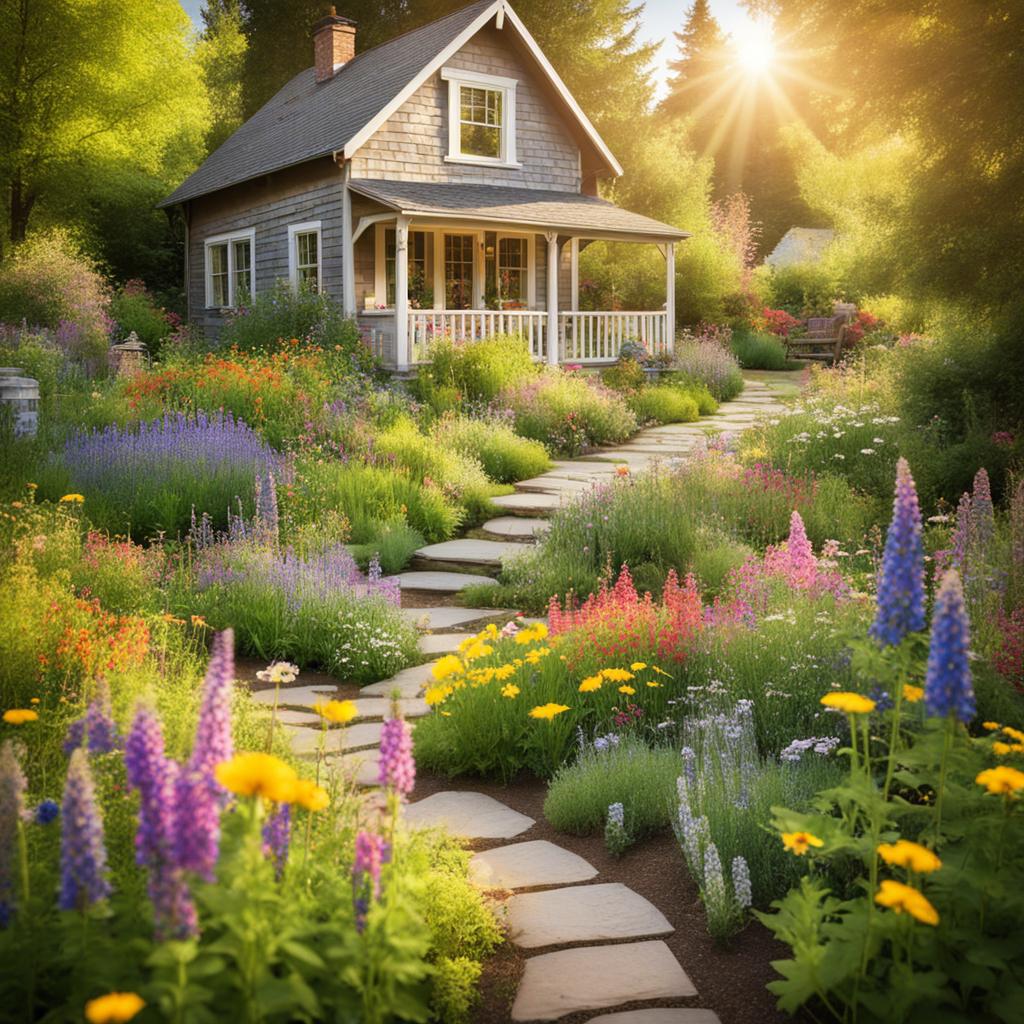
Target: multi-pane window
(229, 270)
(307, 260)
(512, 269)
(421, 295)
(458, 271)
(480, 122)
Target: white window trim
(456, 79)
(531, 262)
(308, 227)
(380, 281)
(244, 234)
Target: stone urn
(128, 358)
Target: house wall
(312, 191)
(412, 144)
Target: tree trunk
(22, 201)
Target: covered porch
(468, 262)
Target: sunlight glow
(754, 43)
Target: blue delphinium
(83, 857)
(901, 582)
(947, 684)
(46, 811)
(741, 886)
(616, 838)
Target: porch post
(402, 347)
(348, 256)
(574, 273)
(670, 295)
(552, 239)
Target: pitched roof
(568, 212)
(800, 245)
(306, 119)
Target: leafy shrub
(37, 356)
(756, 351)
(568, 413)
(625, 375)
(455, 989)
(123, 576)
(133, 309)
(475, 371)
(48, 282)
(802, 289)
(505, 456)
(664, 403)
(393, 547)
(710, 364)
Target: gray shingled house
(442, 183)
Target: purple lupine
(803, 565)
(12, 808)
(901, 583)
(174, 912)
(397, 765)
(198, 798)
(948, 688)
(99, 723)
(83, 857)
(213, 743)
(963, 532)
(982, 510)
(371, 853)
(276, 835)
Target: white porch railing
(590, 337)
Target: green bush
(664, 403)
(707, 364)
(36, 355)
(455, 989)
(758, 351)
(476, 371)
(393, 547)
(134, 309)
(505, 456)
(801, 289)
(625, 375)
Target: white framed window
(305, 256)
(481, 118)
(230, 268)
(515, 270)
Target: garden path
(612, 956)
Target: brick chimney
(334, 44)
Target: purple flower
(901, 584)
(963, 532)
(46, 811)
(397, 765)
(12, 807)
(154, 776)
(371, 853)
(96, 725)
(213, 743)
(198, 800)
(741, 882)
(982, 511)
(276, 835)
(947, 683)
(83, 857)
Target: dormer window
(481, 118)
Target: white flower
(878, 440)
(839, 455)
(867, 451)
(278, 672)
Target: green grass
(756, 351)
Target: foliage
(473, 372)
(36, 354)
(505, 456)
(701, 359)
(757, 351)
(455, 989)
(801, 289)
(665, 403)
(134, 310)
(393, 546)
(624, 375)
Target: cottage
(442, 183)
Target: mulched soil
(731, 981)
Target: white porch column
(574, 273)
(403, 354)
(670, 294)
(348, 256)
(552, 240)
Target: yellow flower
(851, 703)
(616, 675)
(478, 650)
(19, 716)
(638, 666)
(503, 672)
(991, 726)
(628, 690)
(548, 711)
(1001, 749)
(76, 499)
(660, 671)
(337, 711)
(590, 684)
(113, 1008)
(447, 666)
(306, 793)
(899, 897)
(653, 684)
(447, 714)
(1002, 779)
(534, 656)
(436, 694)
(198, 620)
(510, 690)
(34, 700)
(490, 631)
(540, 631)
(912, 694)
(905, 854)
(798, 842)
(253, 774)
(1014, 734)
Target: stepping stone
(441, 643)
(358, 736)
(446, 618)
(598, 977)
(632, 459)
(555, 484)
(578, 468)
(529, 504)
(410, 682)
(516, 526)
(363, 768)
(469, 815)
(582, 913)
(478, 552)
(442, 582)
(286, 716)
(379, 707)
(523, 865)
(675, 1015)
(295, 695)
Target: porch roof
(568, 213)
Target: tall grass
(758, 351)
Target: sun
(754, 43)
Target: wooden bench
(822, 340)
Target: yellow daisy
(899, 897)
(851, 703)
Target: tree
(699, 72)
(86, 89)
(221, 53)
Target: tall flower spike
(901, 582)
(397, 766)
(982, 511)
(947, 682)
(276, 834)
(99, 723)
(213, 743)
(963, 532)
(371, 853)
(12, 808)
(83, 857)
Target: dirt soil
(731, 981)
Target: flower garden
(770, 676)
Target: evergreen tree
(221, 54)
(700, 70)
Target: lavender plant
(616, 836)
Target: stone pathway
(567, 904)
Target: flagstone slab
(526, 504)
(409, 682)
(441, 582)
(523, 865)
(556, 484)
(660, 1015)
(470, 815)
(380, 707)
(445, 618)
(471, 551)
(287, 716)
(580, 467)
(516, 526)
(363, 767)
(582, 913)
(356, 736)
(598, 977)
(297, 696)
(442, 643)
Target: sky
(660, 19)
